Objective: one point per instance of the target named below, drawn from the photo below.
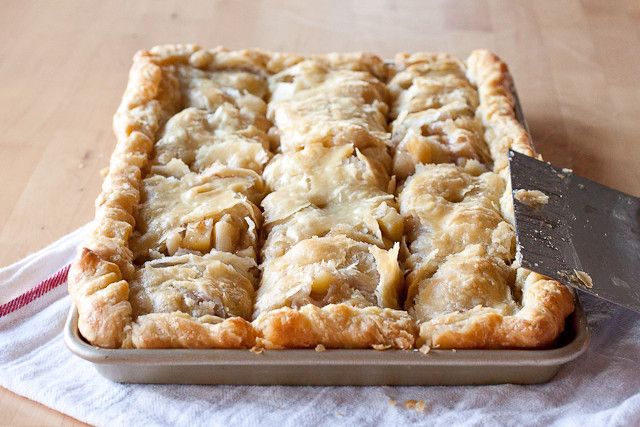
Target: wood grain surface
(63, 68)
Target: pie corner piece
(109, 273)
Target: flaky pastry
(322, 201)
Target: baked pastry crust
(434, 110)
(211, 210)
(462, 291)
(335, 326)
(448, 209)
(99, 280)
(321, 191)
(330, 102)
(172, 258)
(217, 285)
(330, 272)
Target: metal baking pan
(333, 367)
(336, 367)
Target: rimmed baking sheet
(336, 367)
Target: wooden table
(63, 68)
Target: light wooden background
(63, 67)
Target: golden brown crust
(465, 296)
(447, 209)
(335, 326)
(218, 284)
(330, 270)
(434, 113)
(545, 305)
(179, 330)
(313, 102)
(306, 201)
(101, 297)
(330, 267)
(98, 277)
(223, 112)
(503, 131)
(218, 58)
(98, 280)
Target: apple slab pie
(285, 201)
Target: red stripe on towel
(40, 289)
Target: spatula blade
(584, 227)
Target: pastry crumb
(584, 278)
(320, 348)
(453, 350)
(532, 198)
(256, 350)
(425, 349)
(393, 402)
(567, 170)
(416, 405)
(381, 347)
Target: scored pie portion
(321, 191)
(447, 209)
(288, 201)
(330, 272)
(434, 113)
(463, 288)
(173, 258)
(332, 100)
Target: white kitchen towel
(600, 388)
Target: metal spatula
(586, 235)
